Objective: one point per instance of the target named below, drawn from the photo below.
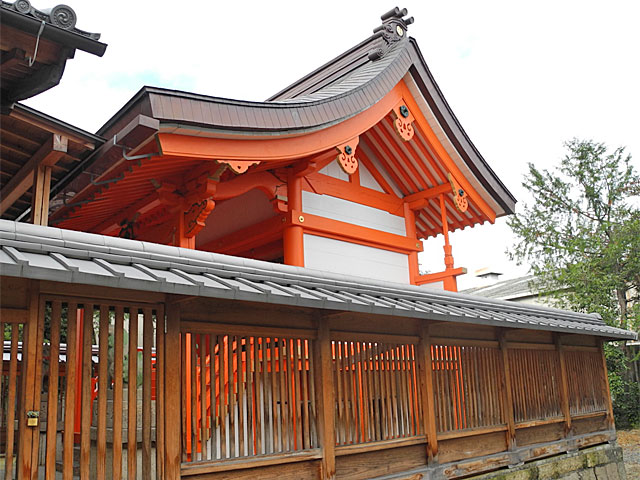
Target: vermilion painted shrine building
(227, 289)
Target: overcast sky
(522, 77)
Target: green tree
(581, 235)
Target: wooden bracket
(459, 195)
(127, 227)
(347, 156)
(403, 122)
(194, 218)
(240, 166)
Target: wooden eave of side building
(32, 139)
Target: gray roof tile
(151, 267)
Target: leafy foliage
(581, 236)
(581, 233)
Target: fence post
(325, 393)
(605, 379)
(172, 381)
(29, 394)
(505, 386)
(428, 399)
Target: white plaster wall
(336, 256)
(350, 212)
(334, 170)
(434, 286)
(367, 180)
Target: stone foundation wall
(603, 462)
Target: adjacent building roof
(35, 47)
(31, 138)
(47, 253)
(510, 289)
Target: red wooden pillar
(293, 237)
(410, 230)
(449, 281)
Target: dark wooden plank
(213, 409)
(85, 419)
(173, 376)
(118, 336)
(427, 393)
(325, 400)
(52, 395)
(505, 385)
(147, 345)
(132, 442)
(204, 433)
(160, 392)
(231, 381)
(11, 401)
(103, 358)
(71, 368)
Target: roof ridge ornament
(392, 31)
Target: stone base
(603, 462)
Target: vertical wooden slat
(337, 379)
(249, 355)
(103, 368)
(275, 418)
(284, 411)
(160, 393)
(213, 406)
(313, 408)
(505, 385)
(259, 382)
(324, 389)
(36, 373)
(222, 372)
(192, 399)
(297, 393)
(184, 379)
(11, 401)
(232, 396)
(305, 392)
(147, 344)
(52, 397)
(240, 373)
(204, 434)
(426, 387)
(70, 393)
(173, 377)
(118, 335)
(375, 384)
(357, 392)
(132, 442)
(85, 422)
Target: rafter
(47, 155)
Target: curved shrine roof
(354, 83)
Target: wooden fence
(127, 391)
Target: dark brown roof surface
(338, 90)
